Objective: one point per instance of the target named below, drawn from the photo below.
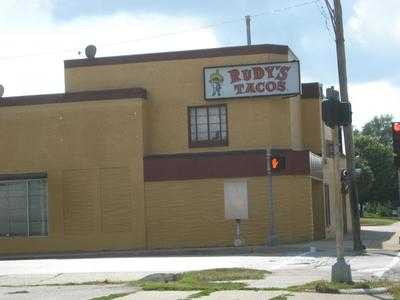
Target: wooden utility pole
(337, 22)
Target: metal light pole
(248, 30)
(337, 22)
(272, 239)
(341, 271)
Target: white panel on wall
(236, 199)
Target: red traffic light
(396, 127)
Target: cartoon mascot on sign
(216, 81)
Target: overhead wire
(104, 45)
(322, 11)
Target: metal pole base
(341, 271)
(272, 241)
(239, 241)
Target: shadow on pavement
(375, 239)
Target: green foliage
(380, 127)
(365, 181)
(380, 188)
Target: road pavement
(288, 266)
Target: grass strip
(368, 221)
(322, 286)
(206, 281)
(111, 296)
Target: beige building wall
(191, 213)
(312, 126)
(174, 85)
(93, 154)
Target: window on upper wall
(23, 206)
(208, 126)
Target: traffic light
(278, 163)
(334, 112)
(396, 137)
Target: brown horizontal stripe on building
(177, 55)
(221, 165)
(113, 94)
(311, 90)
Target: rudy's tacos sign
(272, 79)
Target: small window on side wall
(23, 205)
(208, 126)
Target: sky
(36, 36)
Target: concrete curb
(375, 291)
(216, 251)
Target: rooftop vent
(90, 51)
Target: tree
(364, 182)
(380, 127)
(378, 157)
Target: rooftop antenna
(1, 91)
(90, 51)
(248, 29)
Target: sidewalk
(290, 264)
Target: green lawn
(373, 221)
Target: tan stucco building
(129, 157)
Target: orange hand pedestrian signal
(275, 163)
(278, 163)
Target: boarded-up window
(80, 201)
(116, 200)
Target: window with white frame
(23, 206)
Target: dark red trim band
(221, 165)
(312, 90)
(75, 97)
(177, 55)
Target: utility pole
(334, 115)
(248, 30)
(337, 22)
(341, 271)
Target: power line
(325, 16)
(218, 24)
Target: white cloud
(374, 22)
(34, 44)
(374, 98)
